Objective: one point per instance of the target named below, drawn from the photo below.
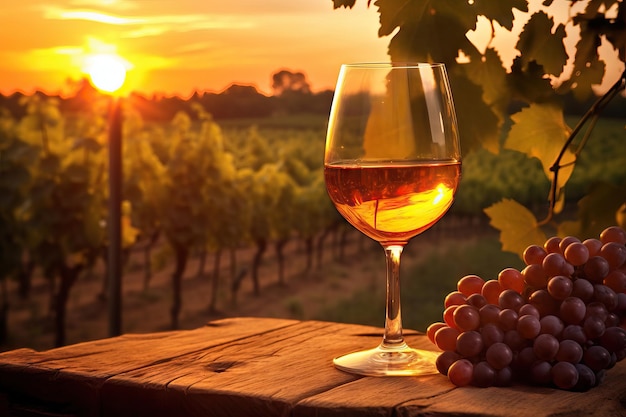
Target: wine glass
(392, 165)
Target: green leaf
(588, 69)
(540, 131)
(491, 75)
(538, 43)
(518, 226)
(478, 124)
(597, 210)
(500, 11)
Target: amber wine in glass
(392, 165)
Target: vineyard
(242, 206)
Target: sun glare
(106, 71)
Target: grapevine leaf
(491, 75)
(538, 43)
(501, 11)
(478, 124)
(597, 209)
(528, 83)
(588, 69)
(517, 225)
(540, 131)
(394, 13)
(343, 3)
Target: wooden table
(260, 367)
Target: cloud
(150, 25)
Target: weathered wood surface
(260, 367)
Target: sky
(180, 46)
(177, 47)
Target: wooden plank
(70, 378)
(263, 375)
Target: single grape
(576, 253)
(616, 280)
(534, 254)
(572, 310)
(448, 315)
(524, 359)
(546, 347)
(489, 313)
(432, 329)
(552, 245)
(511, 279)
(461, 372)
(569, 351)
(576, 333)
(445, 359)
(455, 298)
(594, 327)
(470, 284)
(582, 289)
(543, 302)
(614, 339)
(596, 269)
(541, 372)
(466, 317)
(477, 300)
(508, 319)
(613, 234)
(445, 338)
(606, 296)
(586, 378)
(469, 344)
(597, 309)
(491, 291)
(612, 320)
(564, 375)
(528, 310)
(535, 276)
(499, 355)
(514, 340)
(554, 264)
(566, 242)
(560, 287)
(491, 334)
(528, 326)
(593, 245)
(504, 377)
(614, 253)
(484, 375)
(551, 324)
(596, 358)
(510, 299)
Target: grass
(425, 285)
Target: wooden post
(115, 215)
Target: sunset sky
(176, 47)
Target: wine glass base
(382, 361)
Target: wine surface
(392, 202)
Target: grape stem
(591, 116)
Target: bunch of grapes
(558, 322)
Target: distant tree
(285, 81)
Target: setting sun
(106, 71)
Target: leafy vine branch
(590, 117)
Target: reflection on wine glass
(392, 165)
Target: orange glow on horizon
(183, 47)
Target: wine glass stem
(393, 338)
